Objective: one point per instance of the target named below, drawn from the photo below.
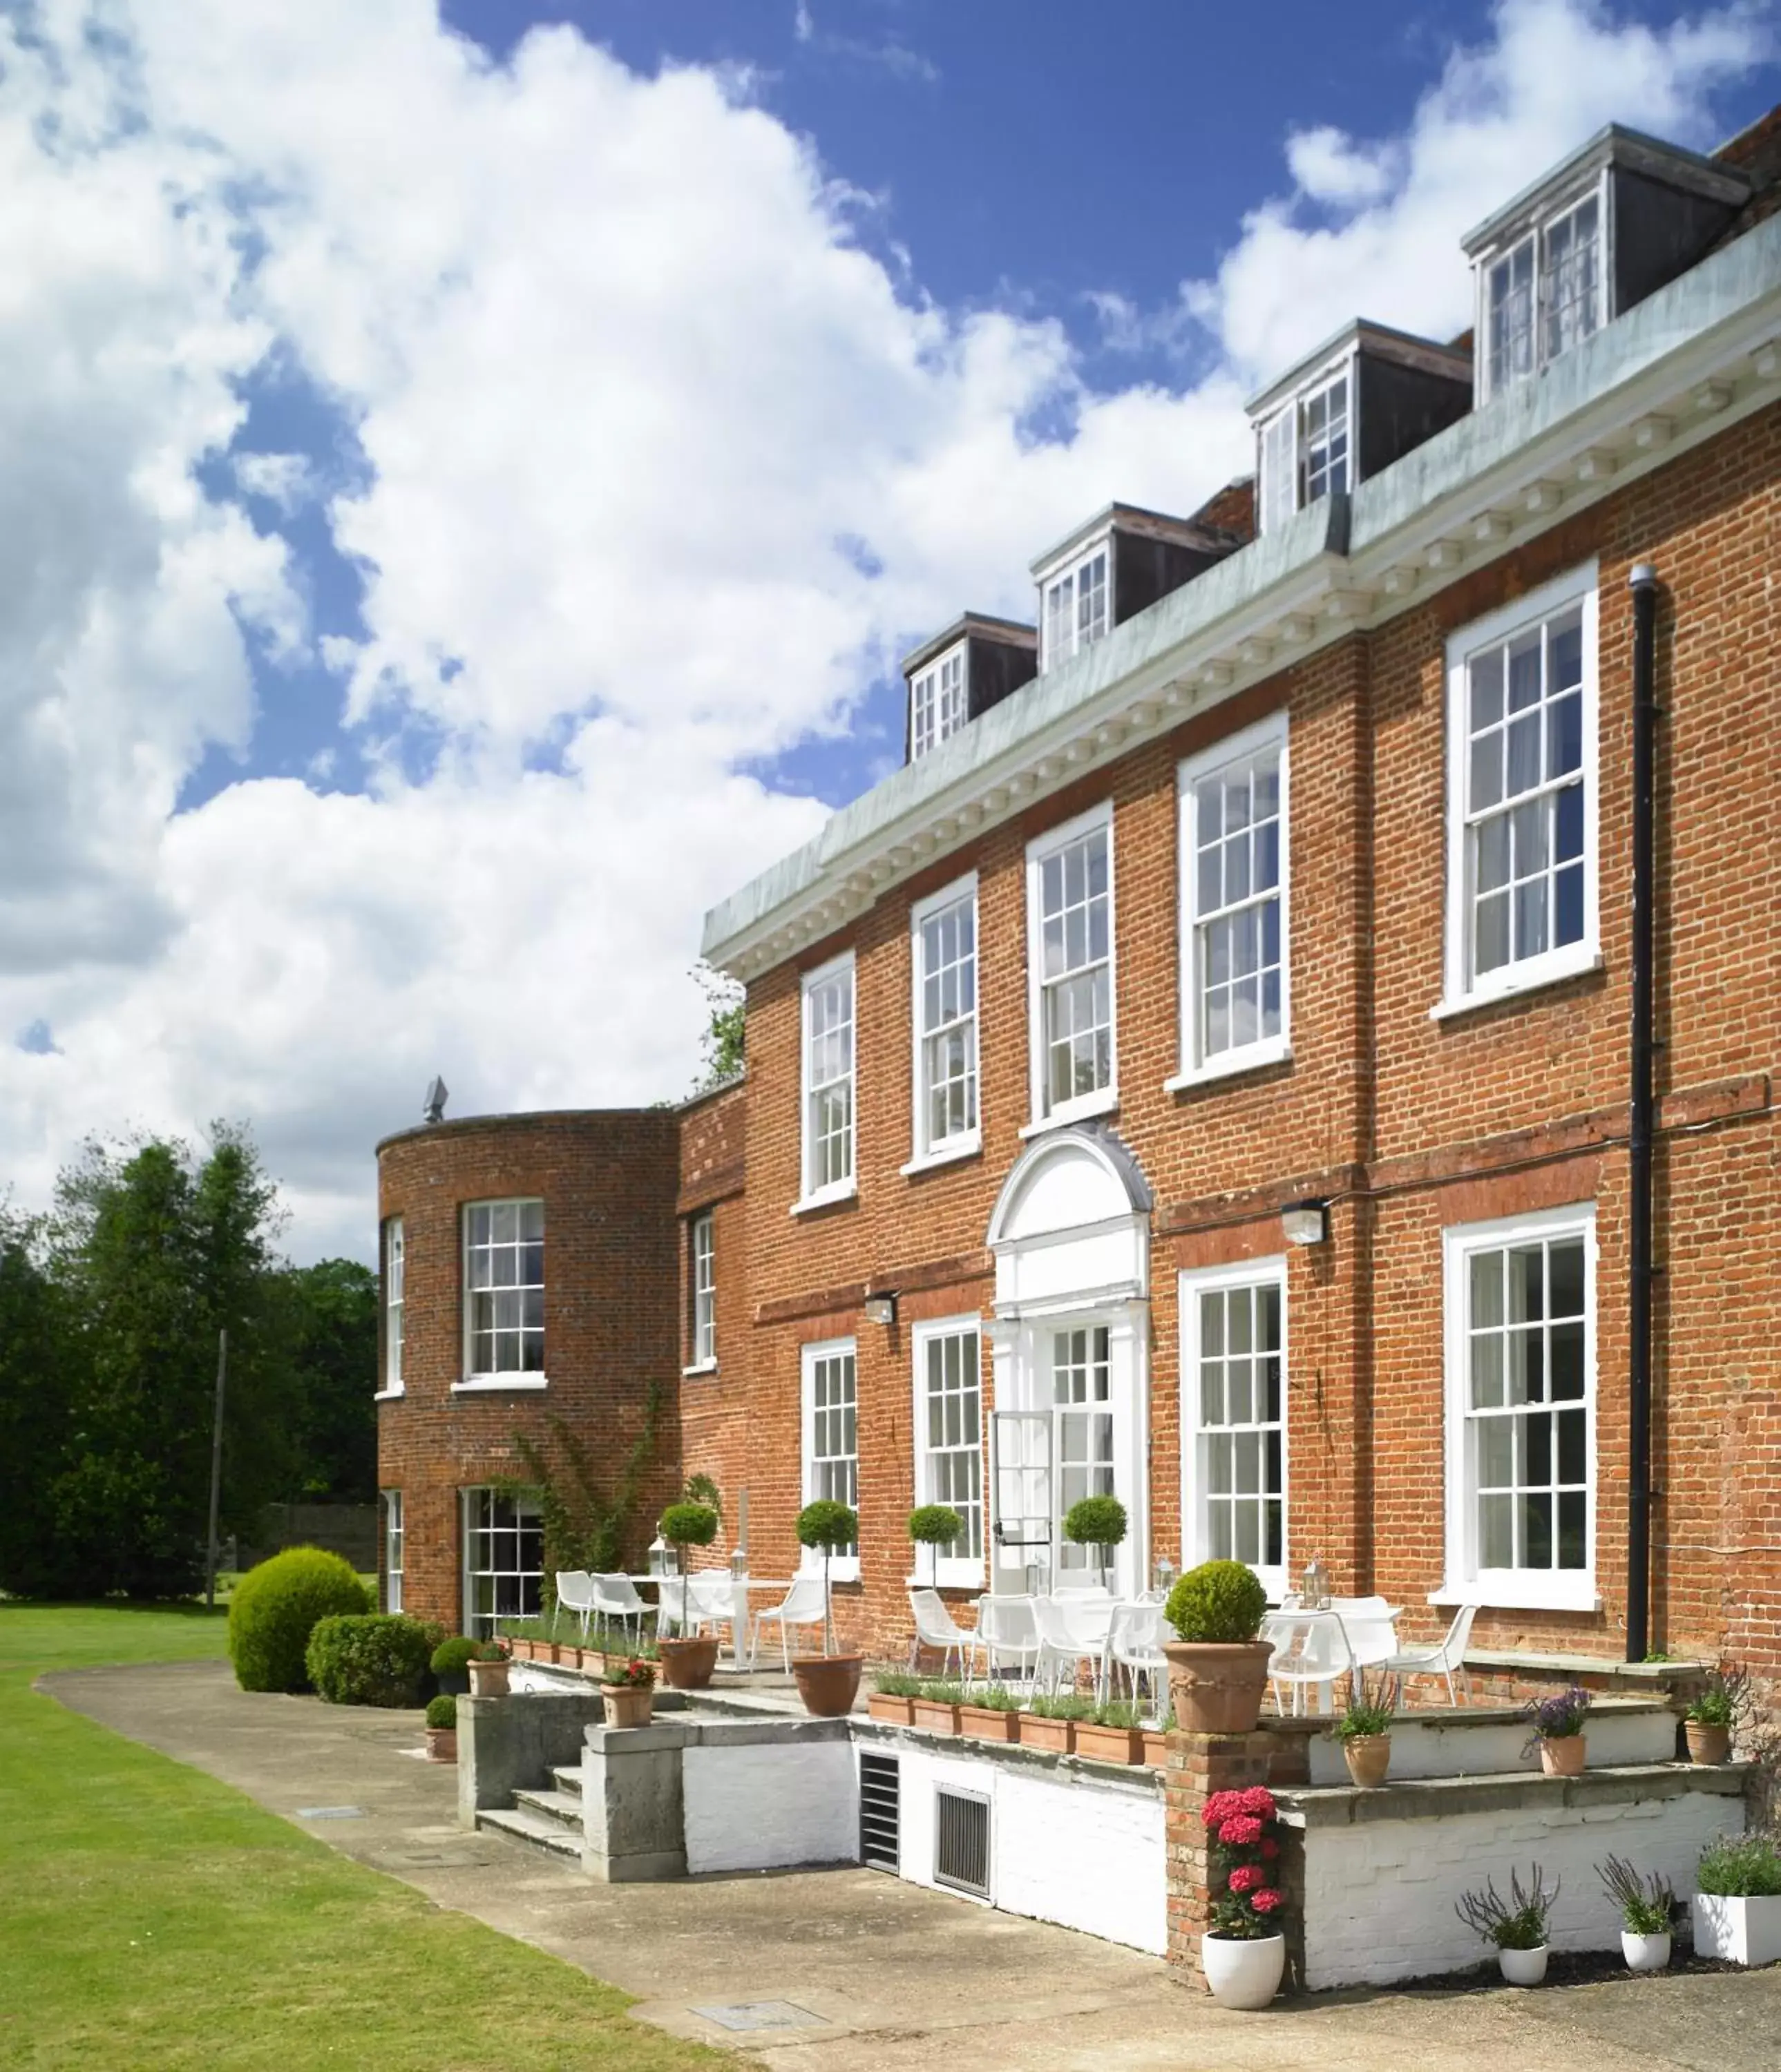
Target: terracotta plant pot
(937, 1717)
(489, 1680)
(627, 1704)
(1156, 1748)
(1562, 1756)
(1707, 1744)
(1218, 1686)
(892, 1712)
(1368, 1756)
(1056, 1735)
(441, 1744)
(1108, 1743)
(1243, 1973)
(828, 1682)
(687, 1665)
(989, 1723)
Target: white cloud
(640, 419)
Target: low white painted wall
(769, 1805)
(1451, 1745)
(1380, 1894)
(1085, 1852)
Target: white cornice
(1693, 358)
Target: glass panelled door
(1020, 1466)
(1082, 1408)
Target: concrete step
(564, 1807)
(568, 1778)
(537, 1828)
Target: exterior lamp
(1304, 1222)
(881, 1309)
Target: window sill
(1575, 1593)
(497, 1384)
(953, 1575)
(1577, 962)
(1104, 1103)
(388, 1395)
(943, 1154)
(698, 1368)
(843, 1569)
(825, 1198)
(1231, 1065)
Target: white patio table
(1367, 1631)
(740, 1587)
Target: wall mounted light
(1304, 1222)
(881, 1309)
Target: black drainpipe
(1642, 1105)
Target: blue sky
(464, 504)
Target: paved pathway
(895, 1975)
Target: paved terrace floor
(896, 1976)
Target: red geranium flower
(1265, 1902)
(1240, 1831)
(1270, 1849)
(1246, 1878)
(1219, 1807)
(1258, 1800)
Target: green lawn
(152, 1916)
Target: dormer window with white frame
(1542, 294)
(828, 1089)
(1306, 448)
(1078, 605)
(937, 702)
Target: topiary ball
(1220, 1602)
(935, 1525)
(828, 1526)
(453, 1657)
(689, 1525)
(1095, 1521)
(442, 1713)
(276, 1608)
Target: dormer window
(1078, 608)
(937, 702)
(1543, 295)
(1305, 446)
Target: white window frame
(504, 1379)
(393, 1551)
(1196, 1537)
(842, 1568)
(939, 700)
(1535, 233)
(1053, 653)
(951, 1571)
(468, 1511)
(1521, 1589)
(395, 1276)
(701, 1260)
(814, 1197)
(1104, 1100)
(926, 1150)
(1463, 989)
(1283, 469)
(1269, 734)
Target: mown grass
(151, 1917)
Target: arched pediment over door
(1071, 1224)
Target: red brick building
(1212, 1070)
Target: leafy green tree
(333, 1319)
(722, 1043)
(34, 1377)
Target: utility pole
(215, 1467)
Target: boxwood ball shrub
(935, 1525)
(442, 1713)
(689, 1525)
(828, 1526)
(373, 1659)
(1095, 1521)
(452, 1657)
(1220, 1602)
(275, 1609)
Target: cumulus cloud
(656, 466)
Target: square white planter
(1737, 1931)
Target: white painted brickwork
(771, 1805)
(1380, 1895)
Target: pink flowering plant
(1243, 1829)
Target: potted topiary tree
(1096, 1521)
(935, 1526)
(1218, 1670)
(451, 1661)
(441, 1729)
(688, 1663)
(827, 1683)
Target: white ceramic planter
(1242, 1973)
(1645, 1952)
(1523, 1967)
(1737, 1931)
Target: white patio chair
(1370, 1623)
(800, 1606)
(711, 1599)
(674, 1611)
(1059, 1644)
(936, 1627)
(575, 1594)
(1005, 1629)
(615, 1598)
(1311, 1651)
(1446, 1658)
(1134, 1644)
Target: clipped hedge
(275, 1609)
(373, 1659)
(1218, 1601)
(441, 1713)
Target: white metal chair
(1134, 1644)
(1446, 1658)
(674, 1611)
(1311, 1651)
(575, 1594)
(936, 1627)
(801, 1605)
(1005, 1629)
(1370, 1623)
(615, 1598)
(1060, 1644)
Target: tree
(35, 1373)
(722, 1042)
(332, 1320)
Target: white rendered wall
(1084, 1853)
(767, 1805)
(1451, 1744)
(1380, 1895)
